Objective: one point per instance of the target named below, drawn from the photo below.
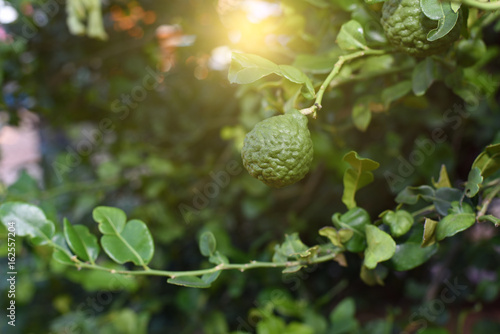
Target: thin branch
(336, 69)
(233, 266)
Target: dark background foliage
(168, 147)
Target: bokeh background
(131, 107)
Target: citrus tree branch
(224, 266)
(336, 69)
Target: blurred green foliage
(154, 151)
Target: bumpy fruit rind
(279, 150)
(406, 27)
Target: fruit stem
(479, 4)
(336, 69)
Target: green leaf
(361, 114)
(124, 242)
(278, 255)
(110, 219)
(211, 277)
(356, 177)
(474, 181)
(218, 258)
(429, 237)
(455, 6)
(393, 93)
(399, 222)
(381, 247)
(488, 161)
(354, 220)
(343, 318)
(373, 276)
(297, 76)
(410, 255)
(443, 13)
(444, 179)
(423, 76)
(455, 222)
(351, 36)
(337, 238)
(443, 197)
(293, 246)
(61, 253)
(316, 64)
(247, 68)
(411, 195)
(189, 281)
(81, 241)
(29, 221)
(207, 243)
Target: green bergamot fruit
(406, 27)
(278, 151)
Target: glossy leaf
(247, 68)
(297, 76)
(81, 241)
(207, 243)
(429, 237)
(124, 242)
(411, 195)
(337, 238)
(399, 222)
(111, 220)
(354, 220)
(356, 176)
(423, 76)
(189, 282)
(351, 36)
(461, 219)
(474, 181)
(61, 253)
(411, 255)
(443, 197)
(29, 221)
(381, 246)
(442, 12)
(488, 161)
